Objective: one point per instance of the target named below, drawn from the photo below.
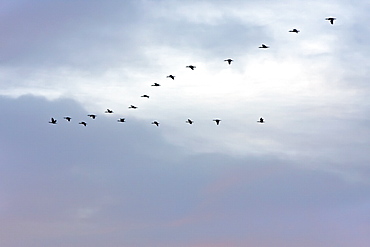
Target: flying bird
(229, 60)
(189, 121)
(294, 31)
(93, 116)
(331, 19)
(155, 85)
(171, 76)
(121, 120)
(108, 111)
(261, 120)
(192, 67)
(68, 119)
(145, 96)
(156, 123)
(83, 123)
(217, 121)
(53, 121)
(132, 107)
(263, 46)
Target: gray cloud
(69, 185)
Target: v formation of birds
(192, 67)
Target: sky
(299, 179)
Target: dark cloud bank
(118, 184)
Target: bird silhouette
(217, 121)
(155, 85)
(93, 116)
(264, 46)
(156, 123)
(132, 107)
(229, 60)
(294, 31)
(145, 96)
(261, 120)
(192, 67)
(331, 19)
(83, 123)
(171, 76)
(189, 121)
(53, 121)
(121, 120)
(108, 111)
(68, 119)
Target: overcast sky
(299, 179)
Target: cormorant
(261, 120)
(217, 121)
(171, 76)
(53, 121)
(229, 60)
(294, 31)
(331, 19)
(189, 121)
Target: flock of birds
(192, 67)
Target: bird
(121, 120)
(93, 116)
(331, 19)
(189, 121)
(68, 119)
(171, 76)
(83, 123)
(263, 46)
(192, 67)
(229, 60)
(132, 107)
(261, 120)
(294, 31)
(108, 111)
(156, 123)
(155, 85)
(217, 121)
(145, 96)
(53, 121)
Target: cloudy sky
(299, 179)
